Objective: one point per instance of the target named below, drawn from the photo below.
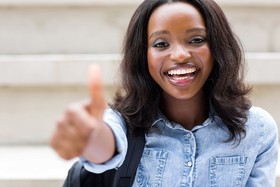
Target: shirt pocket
(227, 171)
(151, 168)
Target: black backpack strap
(126, 173)
(78, 176)
(73, 177)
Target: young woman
(182, 74)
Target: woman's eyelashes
(160, 44)
(196, 41)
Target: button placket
(189, 151)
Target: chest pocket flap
(227, 171)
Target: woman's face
(179, 58)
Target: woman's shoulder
(262, 119)
(261, 114)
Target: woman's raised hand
(80, 131)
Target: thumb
(95, 87)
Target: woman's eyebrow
(198, 29)
(161, 32)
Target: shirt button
(189, 164)
(188, 135)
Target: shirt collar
(209, 120)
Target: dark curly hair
(138, 98)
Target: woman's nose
(180, 53)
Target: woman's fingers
(95, 86)
(80, 120)
(72, 131)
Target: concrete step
(32, 166)
(39, 166)
(55, 70)
(35, 89)
(96, 26)
(55, 3)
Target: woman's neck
(187, 113)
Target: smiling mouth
(182, 73)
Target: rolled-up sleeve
(117, 124)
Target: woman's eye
(197, 41)
(160, 45)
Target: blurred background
(46, 47)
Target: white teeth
(181, 78)
(181, 71)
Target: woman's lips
(181, 76)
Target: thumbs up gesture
(81, 128)
(97, 106)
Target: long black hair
(138, 98)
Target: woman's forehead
(175, 15)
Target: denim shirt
(174, 156)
